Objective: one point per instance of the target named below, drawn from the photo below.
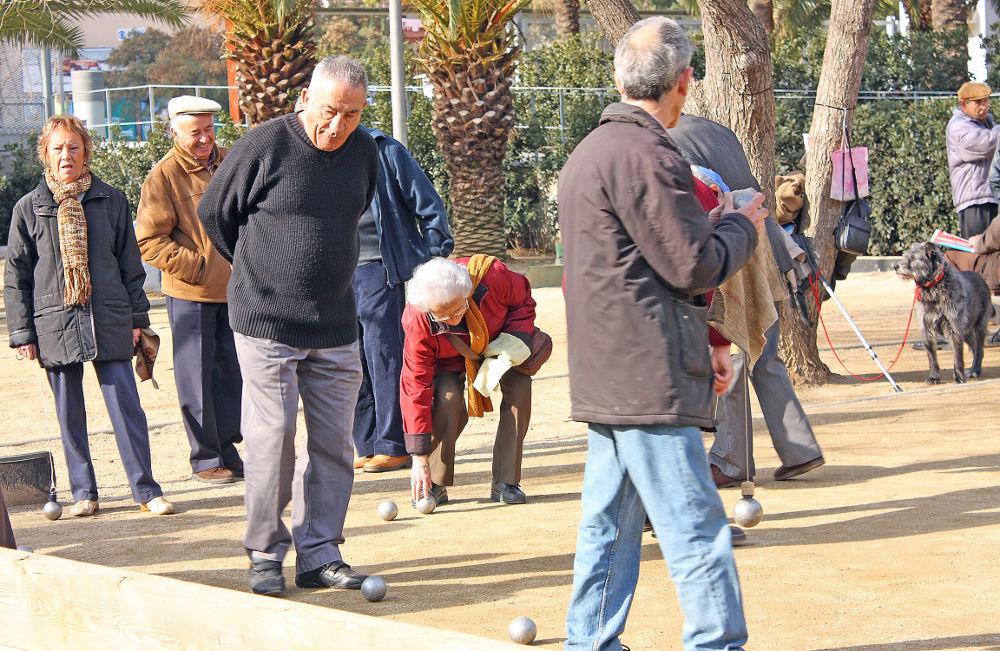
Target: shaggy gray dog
(954, 304)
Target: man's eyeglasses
(450, 316)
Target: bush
(25, 173)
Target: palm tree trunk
(764, 11)
(567, 17)
(477, 199)
(947, 15)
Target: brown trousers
(6, 533)
(450, 415)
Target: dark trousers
(209, 384)
(450, 414)
(6, 533)
(378, 423)
(974, 220)
(127, 418)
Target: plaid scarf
(72, 235)
(479, 335)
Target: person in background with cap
(195, 276)
(972, 137)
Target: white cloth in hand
(501, 354)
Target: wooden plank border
(54, 603)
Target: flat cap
(191, 105)
(973, 90)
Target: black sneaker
(993, 339)
(439, 493)
(507, 493)
(942, 344)
(266, 578)
(331, 575)
(738, 535)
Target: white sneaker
(158, 506)
(84, 508)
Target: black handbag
(854, 230)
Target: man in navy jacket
(405, 225)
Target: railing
(135, 109)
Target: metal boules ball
(426, 504)
(522, 630)
(742, 197)
(373, 588)
(52, 509)
(748, 512)
(387, 510)
(25, 548)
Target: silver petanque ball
(426, 504)
(387, 510)
(25, 548)
(373, 588)
(742, 197)
(52, 509)
(748, 512)
(522, 630)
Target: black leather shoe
(439, 493)
(331, 575)
(507, 493)
(266, 578)
(787, 472)
(236, 468)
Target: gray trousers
(787, 423)
(319, 483)
(6, 533)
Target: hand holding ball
(426, 504)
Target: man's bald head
(651, 58)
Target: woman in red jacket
(474, 300)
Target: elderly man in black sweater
(283, 208)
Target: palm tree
(469, 56)
(50, 23)
(271, 43)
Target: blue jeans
(662, 471)
(378, 422)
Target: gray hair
(648, 63)
(438, 282)
(342, 68)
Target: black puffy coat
(34, 280)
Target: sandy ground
(891, 545)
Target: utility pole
(397, 89)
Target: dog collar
(936, 280)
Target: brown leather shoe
(722, 480)
(787, 472)
(215, 476)
(384, 463)
(361, 461)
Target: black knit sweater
(286, 215)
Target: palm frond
(793, 15)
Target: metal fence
(135, 109)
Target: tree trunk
(567, 17)
(840, 79)
(764, 11)
(737, 91)
(614, 17)
(948, 15)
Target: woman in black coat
(73, 292)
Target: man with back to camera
(284, 208)
(172, 239)
(640, 253)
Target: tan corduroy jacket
(170, 235)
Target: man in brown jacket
(640, 254)
(195, 276)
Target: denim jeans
(378, 422)
(662, 471)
